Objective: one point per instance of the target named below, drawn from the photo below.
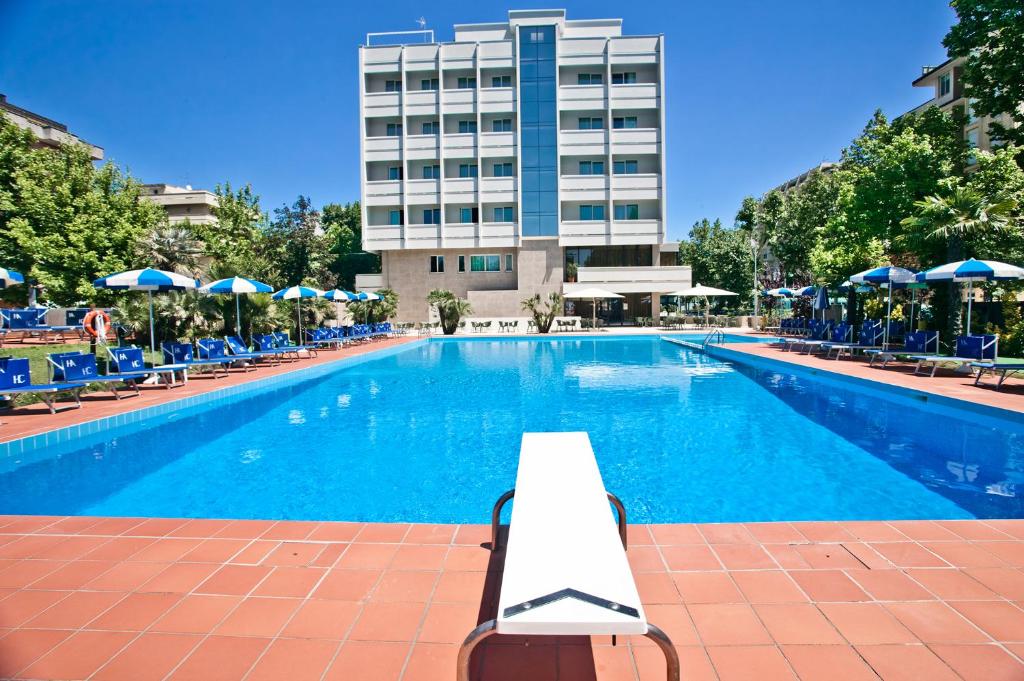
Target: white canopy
(701, 290)
(592, 293)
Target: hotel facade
(496, 165)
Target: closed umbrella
(297, 293)
(969, 271)
(821, 301)
(148, 280)
(592, 293)
(237, 286)
(704, 292)
(887, 274)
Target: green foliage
(377, 311)
(875, 308)
(173, 248)
(1011, 336)
(719, 257)
(344, 233)
(297, 244)
(990, 34)
(544, 311)
(65, 222)
(959, 211)
(450, 309)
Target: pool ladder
(715, 335)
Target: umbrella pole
(593, 314)
(888, 319)
(970, 299)
(298, 320)
(238, 316)
(152, 333)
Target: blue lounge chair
(841, 334)
(80, 367)
(15, 380)
(214, 349)
(237, 348)
(282, 340)
(815, 330)
(869, 338)
(267, 342)
(820, 332)
(131, 360)
(969, 349)
(323, 338)
(1001, 371)
(915, 344)
(181, 353)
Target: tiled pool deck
(138, 599)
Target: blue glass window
(395, 217)
(504, 214)
(589, 79)
(395, 172)
(437, 263)
(432, 216)
(625, 78)
(588, 123)
(392, 86)
(537, 121)
(468, 170)
(503, 170)
(466, 83)
(594, 212)
(394, 130)
(501, 125)
(501, 81)
(429, 84)
(431, 128)
(624, 122)
(625, 168)
(627, 211)
(432, 172)
(467, 126)
(468, 215)
(591, 167)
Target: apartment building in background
(492, 162)
(182, 203)
(48, 132)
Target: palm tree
(173, 248)
(544, 313)
(961, 212)
(450, 309)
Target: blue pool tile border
(912, 396)
(31, 443)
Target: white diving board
(565, 570)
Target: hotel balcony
(636, 187)
(581, 51)
(608, 233)
(497, 234)
(497, 189)
(384, 193)
(382, 237)
(460, 189)
(634, 141)
(421, 147)
(460, 145)
(633, 50)
(655, 279)
(459, 101)
(583, 187)
(583, 142)
(635, 96)
(382, 58)
(496, 100)
(581, 98)
(382, 148)
(382, 104)
(494, 144)
(421, 102)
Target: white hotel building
(491, 162)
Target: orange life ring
(90, 316)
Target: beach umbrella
(782, 292)
(237, 286)
(887, 274)
(367, 295)
(969, 271)
(821, 301)
(339, 296)
(148, 280)
(10, 277)
(806, 291)
(297, 293)
(705, 292)
(593, 294)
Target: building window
(468, 170)
(392, 86)
(610, 256)
(501, 125)
(467, 126)
(592, 212)
(462, 263)
(589, 79)
(501, 81)
(538, 131)
(432, 172)
(485, 263)
(624, 122)
(394, 172)
(503, 170)
(431, 128)
(508, 262)
(466, 83)
(432, 216)
(591, 123)
(972, 142)
(429, 84)
(395, 217)
(625, 78)
(945, 84)
(627, 211)
(591, 167)
(437, 264)
(504, 214)
(625, 167)
(972, 115)
(468, 216)
(394, 130)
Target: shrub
(544, 312)
(450, 309)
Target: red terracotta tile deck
(900, 374)
(137, 599)
(35, 418)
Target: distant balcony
(382, 148)
(497, 144)
(420, 102)
(583, 142)
(636, 141)
(581, 97)
(421, 147)
(654, 279)
(460, 101)
(383, 193)
(379, 104)
(498, 100)
(635, 96)
(607, 233)
(637, 187)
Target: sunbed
(80, 367)
(816, 331)
(322, 338)
(130, 360)
(214, 349)
(266, 343)
(1001, 370)
(840, 334)
(969, 349)
(181, 353)
(282, 340)
(565, 569)
(238, 348)
(915, 344)
(869, 338)
(15, 380)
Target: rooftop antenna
(422, 23)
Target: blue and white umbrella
(237, 286)
(782, 292)
(807, 291)
(970, 271)
(341, 296)
(148, 280)
(297, 293)
(369, 295)
(888, 274)
(10, 277)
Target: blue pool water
(430, 432)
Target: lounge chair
(869, 338)
(237, 348)
(565, 570)
(323, 338)
(267, 343)
(1001, 370)
(915, 344)
(283, 341)
(823, 333)
(969, 349)
(80, 367)
(15, 380)
(215, 349)
(131, 360)
(181, 353)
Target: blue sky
(262, 92)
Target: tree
(718, 256)
(63, 221)
(450, 309)
(544, 312)
(960, 211)
(989, 34)
(376, 311)
(344, 230)
(173, 248)
(296, 242)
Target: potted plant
(543, 312)
(571, 270)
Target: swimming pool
(429, 432)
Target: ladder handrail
(715, 333)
